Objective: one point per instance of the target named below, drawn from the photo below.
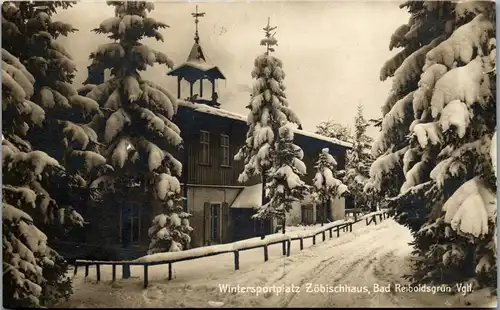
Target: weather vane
(196, 21)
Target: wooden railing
(286, 239)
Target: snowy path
(369, 255)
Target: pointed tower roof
(196, 66)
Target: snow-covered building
(221, 207)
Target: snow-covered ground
(369, 255)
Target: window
(216, 222)
(130, 223)
(205, 147)
(224, 146)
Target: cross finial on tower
(196, 21)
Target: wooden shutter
(225, 224)
(207, 223)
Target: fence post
(367, 222)
(324, 235)
(145, 276)
(301, 240)
(86, 270)
(350, 227)
(76, 269)
(236, 260)
(338, 231)
(98, 272)
(113, 266)
(331, 234)
(375, 219)
(170, 271)
(289, 247)
(266, 254)
(314, 239)
(125, 271)
(284, 247)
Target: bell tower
(195, 70)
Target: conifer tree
(334, 130)
(434, 149)
(325, 186)
(284, 186)
(269, 110)
(34, 274)
(31, 34)
(137, 130)
(36, 73)
(358, 163)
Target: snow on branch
(383, 165)
(463, 83)
(455, 163)
(470, 208)
(325, 185)
(461, 44)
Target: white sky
(332, 51)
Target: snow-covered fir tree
(137, 131)
(38, 102)
(335, 130)
(325, 186)
(34, 275)
(284, 186)
(359, 160)
(268, 112)
(31, 35)
(435, 149)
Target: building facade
(221, 208)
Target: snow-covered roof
(250, 197)
(228, 114)
(196, 60)
(321, 137)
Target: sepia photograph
(249, 154)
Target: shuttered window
(217, 221)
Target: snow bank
(257, 241)
(373, 213)
(310, 233)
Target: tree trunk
(260, 225)
(323, 212)
(284, 223)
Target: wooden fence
(287, 245)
